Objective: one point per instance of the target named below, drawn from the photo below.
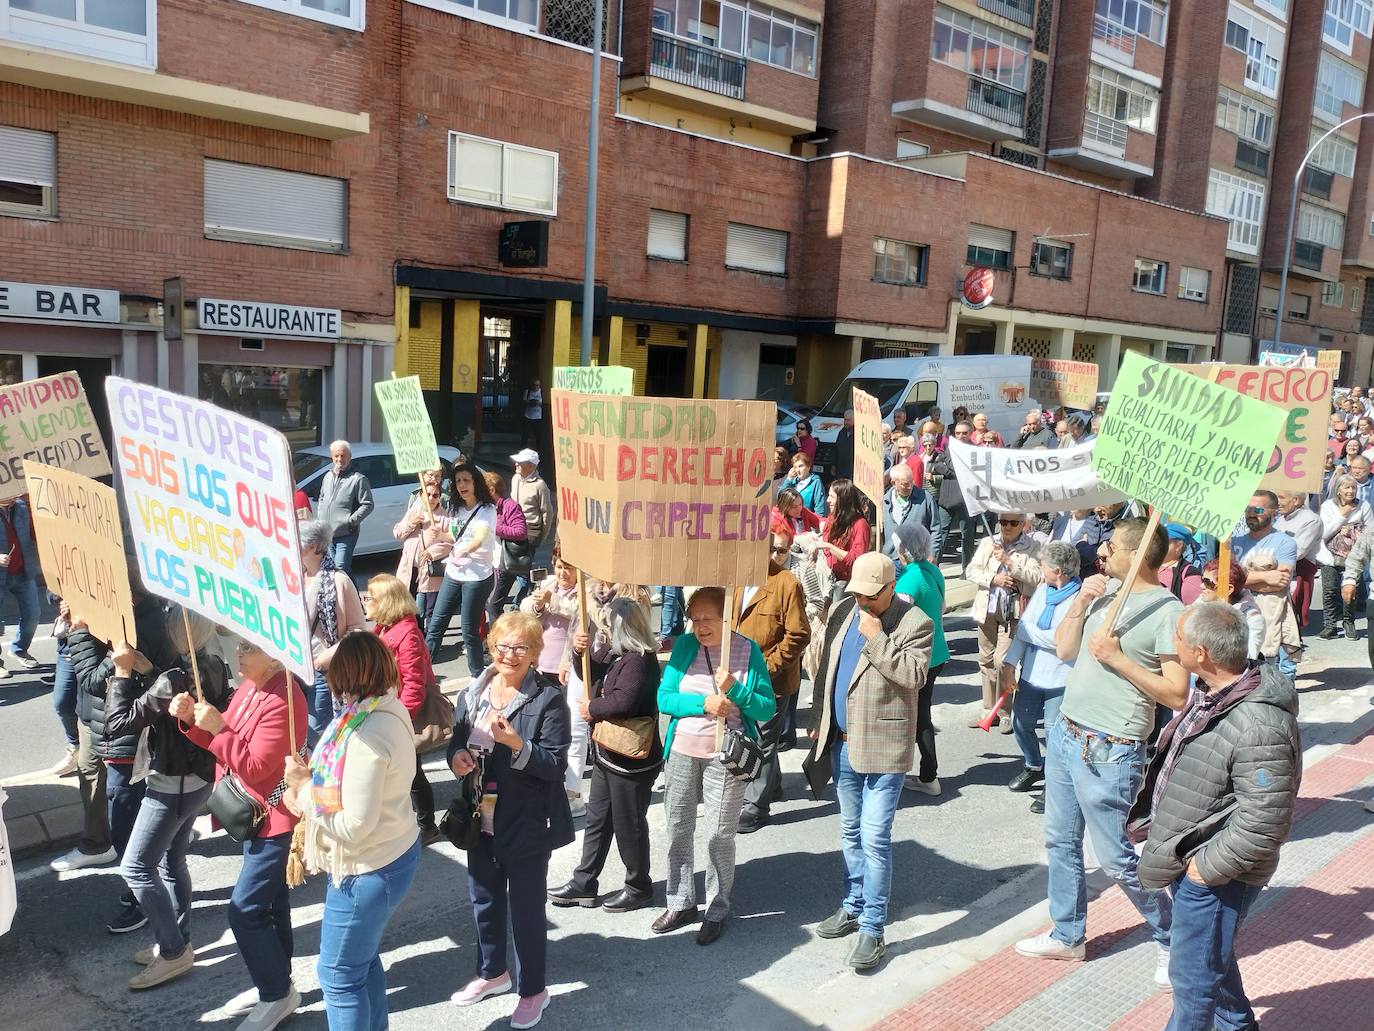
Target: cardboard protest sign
(1191, 448)
(48, 420)
(209, 494)
(81, 549)
(995, 479)
(594, 379)
(665, 491)
(1304, 393)
(868, 447)
(1331, 362)
(407, 424)
(1055, 382)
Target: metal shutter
(275, 206)
(28, 157)
(667, 235)
(756, 248)
(990, 238)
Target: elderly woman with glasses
(333, 608)
(923, 585)
(511, 732)
(1344, 517)
(425, 543)
(1006, 572)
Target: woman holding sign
(470, 569)
(333, 608)
(425, 544)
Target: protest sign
(1055, 382)
(48, 420)
(995, 479)
(594, 379)
(1287, 359)
(665, 491)
(868, 447)
(81, 549)
(1191, 448)
(1331, 362)
(407, 424)
(1304, 393)
(208, 494)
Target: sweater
(753, 695)
(625, 686)
(556, 617)
(348, 614)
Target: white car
(390, 490)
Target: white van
(996, 384)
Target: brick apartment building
(785, 188)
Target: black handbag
(239, 813)
(462, 823)
(741, 756)
(517, 553)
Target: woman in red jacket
(845, 534)
(251, 741)
(393, 613)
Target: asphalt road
(968, 878)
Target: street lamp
(593, 159)
(1292, 219)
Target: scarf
(1053, 596)
(326, 598)
(326, 765)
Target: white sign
(60, 303)
(261, 319)
(995, 479)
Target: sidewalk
(1307, 948)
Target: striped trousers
(689, 782)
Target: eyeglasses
(780, 551)
(1010, 522)
(1256, 510)
(1211, 585)
(246, 648)
(518, 650)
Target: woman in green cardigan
(696, 691)
(924, 584)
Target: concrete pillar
(467, 339)
(558, 334)
(190, 364)
(1061, 344)
(338, 378)
(1005, 332)
(128, 357)
(856, 351)
(164, 364)
(697, 359)
(402, 359)
(1159, 350)
(615, 338)
(367, 396)
(1108, 358)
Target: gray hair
(627, 627)
(914, 540)
(340, 443)
(1220, 628)
(202, 630)
(901, 469)
(928, 438)
(315, 535)
(1341, 481)
(1061, 556)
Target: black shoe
(787, 742)
(867, 952)
(750, 820)
(571, 895)
(671, 921)
(1026, 779)
(838, 925)
(627, 901)
(1329, 632)
(709, 931)
(778, 794)
(1351, 633)
(429, 834)
(130, 918)
(1038, 804)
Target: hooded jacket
(170, 751)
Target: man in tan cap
(875, 661)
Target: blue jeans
(868, 802)
(469, 599)
(356, 912)
(343, 550)
(24, 589)
(154, 865)
(1093, 795)
(1284, 663)
(260, 916)
(320, 705)
(1208, 992)
(64, 694)
(1031, 703)
(670, 619)
(123, 798)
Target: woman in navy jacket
(514, 731)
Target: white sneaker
(1043, 946)
(267, 1015)
(77, 860)
(24, 659)
(1162, 969)
(924, 787)
(242, 1004)
(65, 766)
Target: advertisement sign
(262, 319)
(1006, 480)
(407, 424)
(1055, 382)
(58, 303)
(978, 286)
(48, 420)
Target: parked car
(789, 414)
(390, 490)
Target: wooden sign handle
(726, 620)
(582, 628)
(1224, 569)
(195, 663)
(1150, 526)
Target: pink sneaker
(528, 1010)
(480, 988)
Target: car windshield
(887, 391)
(306, 465)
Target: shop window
(756, 249)
(667, 235)
(286, 399)
(270, 206)
(1149, 276)
(28, 172)
(502, 175)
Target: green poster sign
(408, 425)
(1189, 447)
(594, 379)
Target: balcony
(1103, 149)
(1251, 158)
(1113, 42)
(1317, 182)
(1308, 255)
(1020, 11)
(995, 101)
(990, 111)
(1107, 131)
(700, 67)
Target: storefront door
(665, 373)
(92, 373)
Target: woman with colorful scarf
(1043, 676)
(334, 609)
(359, 827)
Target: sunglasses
(1009, 522)
(779, 551)
(1211, 585)
(1256, 510)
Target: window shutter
(756, 248)
(668, 235)
(282, 207)
(475, 170)
(990, 238)
(28, 157)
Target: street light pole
(593, 156)
(1292, 221)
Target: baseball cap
(527, 455)
(872, 571)
(1177, 532)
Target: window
(979, 48)
(1333, 295)
(28, 172)
(502, 175)
(251, 204)
(910, 148)
(896, 262)
(667, 235)
(1051, 258)
(1178, 354)
(1149, 276)
(1247, 118)
(517, 14)
(1338, 83)
(752, 30)
(113, 30)
(1321, 225)
(1269, 301)
(1143, 17)
(1193, 283)
(1261, 41)
(1354, 298)
(1118, 96)
(1299, 307)
(1334, 154)
(287, 399)
(989, 246)
(1242, 201)
(347, 13)
(1343, 19)
(756, 249)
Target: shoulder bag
(433, 724)
(740, 754)
(462, 823)
(236, 808)
(631, 736)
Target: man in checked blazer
(874, 664)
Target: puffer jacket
(169, 750)
(1228, 804)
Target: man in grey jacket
(1215, 807)
(345, 501)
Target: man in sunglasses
(1263, 537)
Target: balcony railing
(1020, 11)
(699, 66)
(1113, 40)
(995, 101)
(1101, 129)
(1308, 255)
